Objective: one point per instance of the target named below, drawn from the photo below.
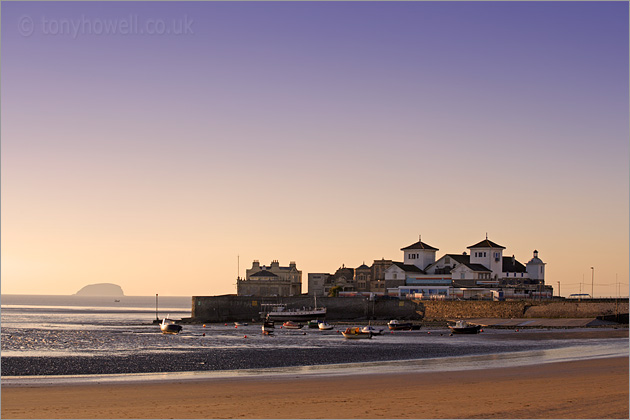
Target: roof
(363, 267)
(263, 273)
(420, 245)
(410, 268)
(460, 258)
(509, 267)
(478, 267)
(486, 244)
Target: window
(447, 261)
(395, 276)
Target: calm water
(68, 326)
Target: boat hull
(296, 315)
(403, 327)
(472, 329)
(170, 329)
(354, 336)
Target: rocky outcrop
(101, 289)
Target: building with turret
(483, 273)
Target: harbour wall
(228, 308)
(441, 310)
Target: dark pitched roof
(408, 267)
(486, 244)
(419, 245)
(478, 267)
(460, 258)
(363, 267)
(263, 273)
(509, 267)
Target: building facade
(482, 274)
(272, 280)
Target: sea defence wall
(441, 310)
(229, 308)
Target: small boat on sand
(372, 330)
(463, 327)
(168, 326)
(355, 333)
(268, 327)
(241, 324)
(396, 325)
(325, 326)
(292, 325)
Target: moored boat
(268, 327)
(280, 312)
(463, 327)
(325, 326)
(313, 323)
(397, 325)
(168, 326)
(355, 333)
(372, 330)
(292, 325)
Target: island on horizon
(101, 289)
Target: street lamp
(592, 281)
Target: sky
(165, 146)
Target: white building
(484, 270)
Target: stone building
(377, 281)
(272, 280)
(362, 278)
(316, 284)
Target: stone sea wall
(229, 308)
(436, 310)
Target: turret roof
(486, 244)
(420, 245)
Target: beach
(596, 388)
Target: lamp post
(592, 281)
(558, 289)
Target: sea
(61, 332)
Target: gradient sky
(322, 133)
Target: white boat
(168, 326)
(372, 330)
(325, 326)
(280, 312)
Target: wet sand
(595, 388)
